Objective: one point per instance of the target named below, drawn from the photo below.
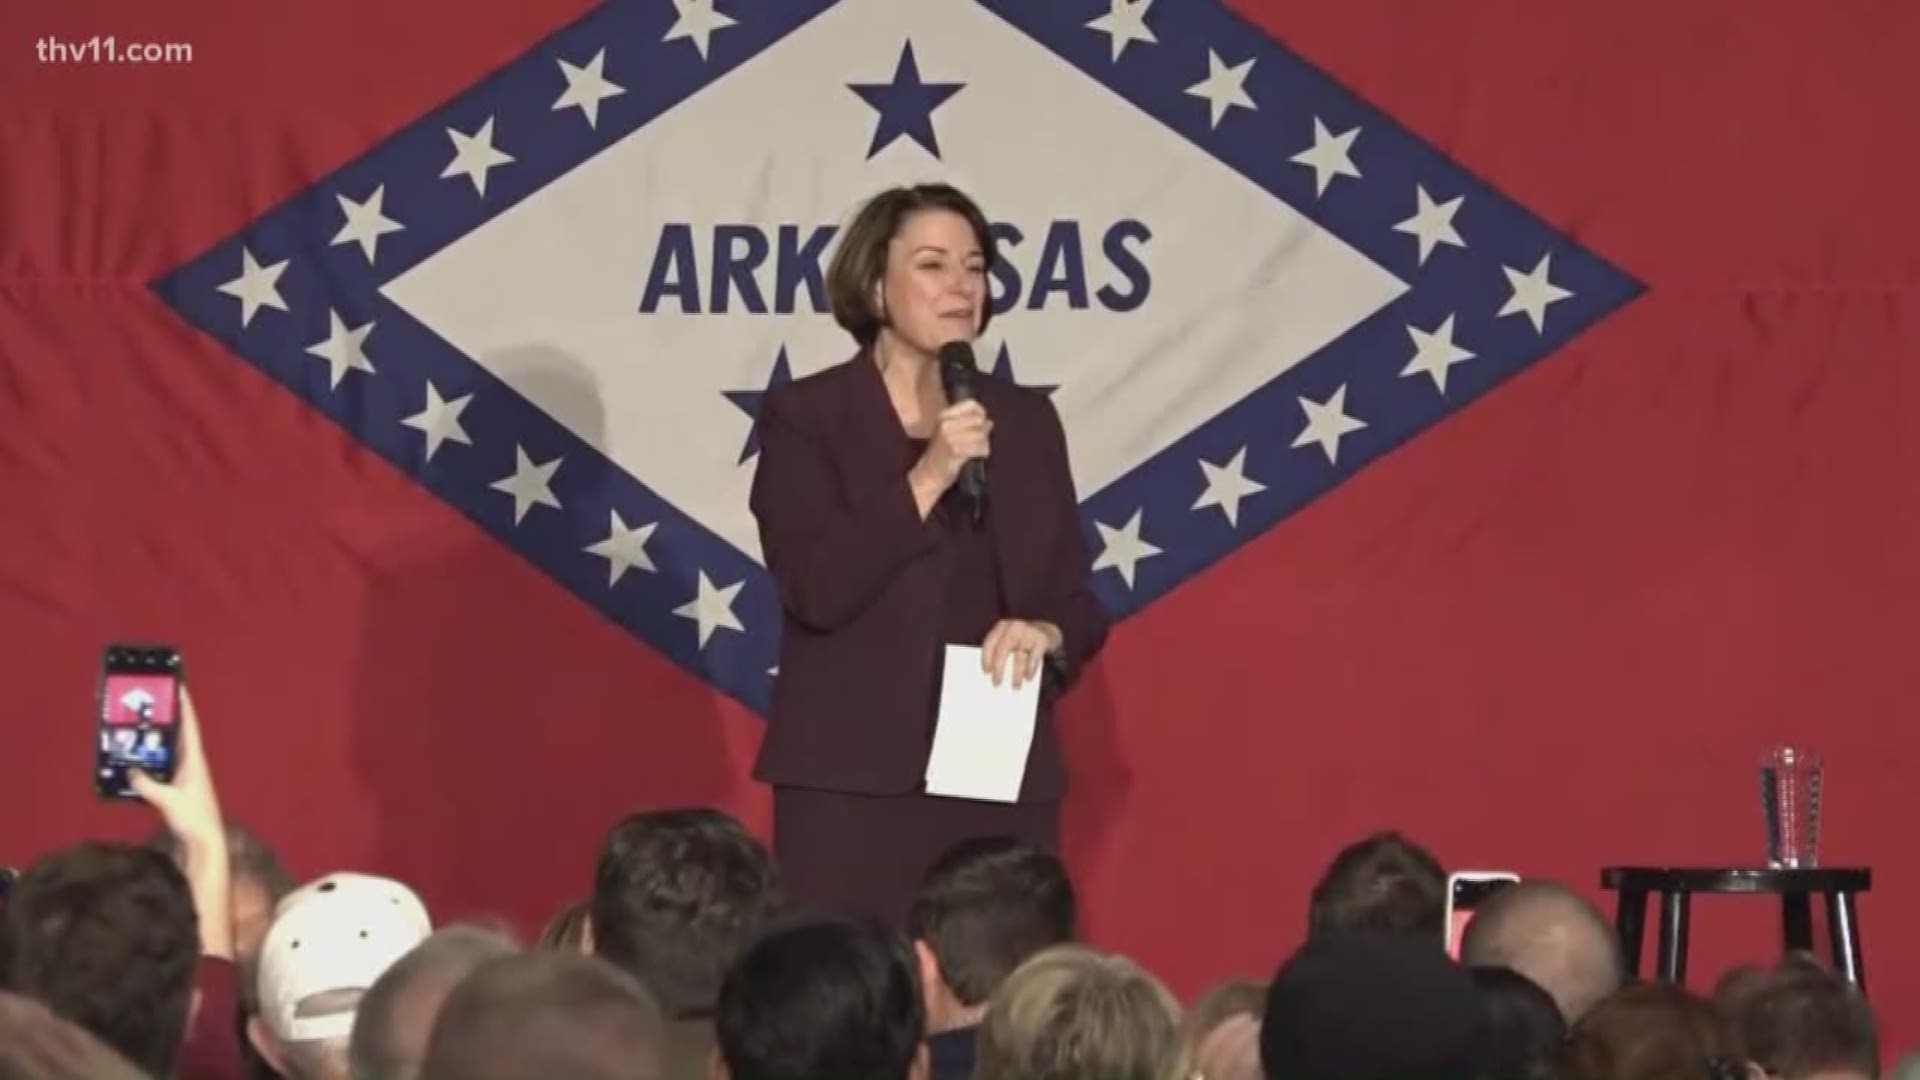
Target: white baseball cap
(340, 932)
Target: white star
(440, 420)
(1434, 353)
(1532, 292)
(1224, 87)
(624, 549)
(1330, 155)
(1432, 222)
(255, 288)
(712, 608)
(1327, 423)
(587, 87)
(1123, 549)
(1125, 23)
(344, 349)
(529, 484)
(1227, 485)
(365, 223)
(474, 156)
(698, 20)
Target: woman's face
(935, 288)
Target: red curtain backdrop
(1549, 635)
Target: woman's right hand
(962, 435)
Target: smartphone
(138, 723)
(1466, 891)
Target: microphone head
(957, 354)
(956, 370)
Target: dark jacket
(861, 577)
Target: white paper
(983, 732)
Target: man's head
(105, 935)
(676, 893)
(1071, 1011)
(1652, 1029)
(547, 1013)
(395, 1018)
(829, 999)
(1802, 1022)
(329, 942)
(984, 907)
(1382, 884)
(1552, 935)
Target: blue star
(1003, 369)
(905, 105)
(748, 402)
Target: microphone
(957, 369)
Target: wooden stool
(1676, 886)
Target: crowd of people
(196, 955)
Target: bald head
(548, 1014)
(1552, 935)
(396, 1016)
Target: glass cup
(1790, 779)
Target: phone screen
(139, 721)
(1468, 895)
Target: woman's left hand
(1025, 642)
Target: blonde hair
(1071, 1013)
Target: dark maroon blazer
(861, 577)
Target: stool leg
(1796, 921)
(1673, 936)
(1843, 927)
(1630, 920)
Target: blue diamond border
(321, 279)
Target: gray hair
(396, 1016)
(247, 856)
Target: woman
(879, 565)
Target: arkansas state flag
(1491, 422)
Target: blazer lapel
(874, 440)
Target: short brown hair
(676, 894)
(1383, 883)
(986, 905)
(1800, 1019)
(860, 259)
(1653, 1029)
(105, 934)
